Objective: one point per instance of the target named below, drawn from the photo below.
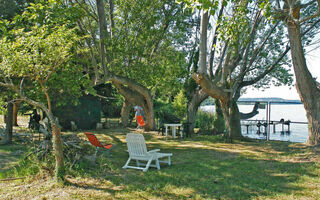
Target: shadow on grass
(214, 174)
(10, 154)
(229, 177)
(90, 187)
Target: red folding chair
(99, 146)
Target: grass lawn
(203, 167)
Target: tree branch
(258, 78)
(44, 90)
(93, 15)
(214, 42)
(268, 70)
(310, 17)
(257, 51)
(209, 87)
(252, 113)
(24, 98)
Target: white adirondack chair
(138, 151)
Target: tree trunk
(125, 113)
(103, 32)
(137, 94)
(9, 124)
(219, 122)
(305, 84)
(58, 152)
(198, 97)
(191, 117)
(232, 120)
(16, 106)
(149, 113)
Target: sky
(286, 92)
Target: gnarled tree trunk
(198, 97)
(149, 113)
(136, 94)
(231, 115)
(125, 113)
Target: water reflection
(286, 112)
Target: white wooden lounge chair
(138, 151)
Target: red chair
(95, 142)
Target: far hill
(274, 100)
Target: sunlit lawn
(203, 167)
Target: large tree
(299, 16)
(137, 49)
(36, 61)
(247, 50)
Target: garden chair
(99, 146)
(138, 151)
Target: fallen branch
(12, 179)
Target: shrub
(165, 112)
(204, 121)
(218, 125)
(180, 104)
(209, 123)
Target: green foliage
(51, 13)
(203, 4)
(36, 54)
(165, 112)
(111, 107)
(219, 126)
(204, 121)
(180, 104)
(148, 43)
(25, 166)
(210, 123)
(42, 53)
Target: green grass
(203, 167)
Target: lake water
(292, 112)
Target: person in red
(139, 116)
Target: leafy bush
(208, 123)
(165, 112)
(204, 121)
(218, 125)
(180, 104)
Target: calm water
(292, 112)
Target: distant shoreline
(271, 100)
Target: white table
(173, 127)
